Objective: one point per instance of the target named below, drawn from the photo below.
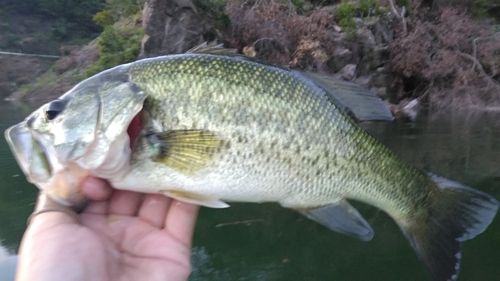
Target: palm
(126, 237)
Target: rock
(348, 72)
(16, 71)
(380, 91)
(329, 8)
(365, 37)
(381, 31)
(64, 64)
(382, 55)
(341, 57)
(66, 50)
(372, 58)
(380, 77)
(364, 81)
(6, 88)
(75, 57)
(172, 27)
(87, 55)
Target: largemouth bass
(210, 128)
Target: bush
(116, 47)
(103, 18)
(274, 31)
(344, 15)
(449, 56)
(214, 9)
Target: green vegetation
(48, 78)
(364, 6)
(346, 11)
(344, 15)
(216, 10)
(487, 8)
(117, 10)
(103, 18)
(406, 4)
(299, 5)
(48, 24)
(120, 42)
(52, 23)
(116, 46)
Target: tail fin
(458, 213)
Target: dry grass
(454, 53)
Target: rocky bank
(414, 52)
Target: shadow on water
(267, 242)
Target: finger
(154, 209)
(125, 203)
(96, 189)
(181, 220)
(97, 208)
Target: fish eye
(54, 108)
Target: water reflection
(7, 264)
(267, 242)
(462, 145)
(16, 195)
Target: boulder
(348, 72)
(172, 27)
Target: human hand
(121, 235)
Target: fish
(211, 126)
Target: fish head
(79, 134)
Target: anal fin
(195, 198)
(341, 217)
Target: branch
(479, 67)
(426, 93)
(474, 46)
(400, 16)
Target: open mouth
(134, 128)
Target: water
(17, 196)
(267, 242)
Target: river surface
(267, 242)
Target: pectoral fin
(186, 151)
(194, 198)
(341, 217)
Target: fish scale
(303, 120)
(216, 126)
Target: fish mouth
(21, 143)
(134, 128)
(42, 168)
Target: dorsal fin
(218, 49)
(230, 52)
(355, 100)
